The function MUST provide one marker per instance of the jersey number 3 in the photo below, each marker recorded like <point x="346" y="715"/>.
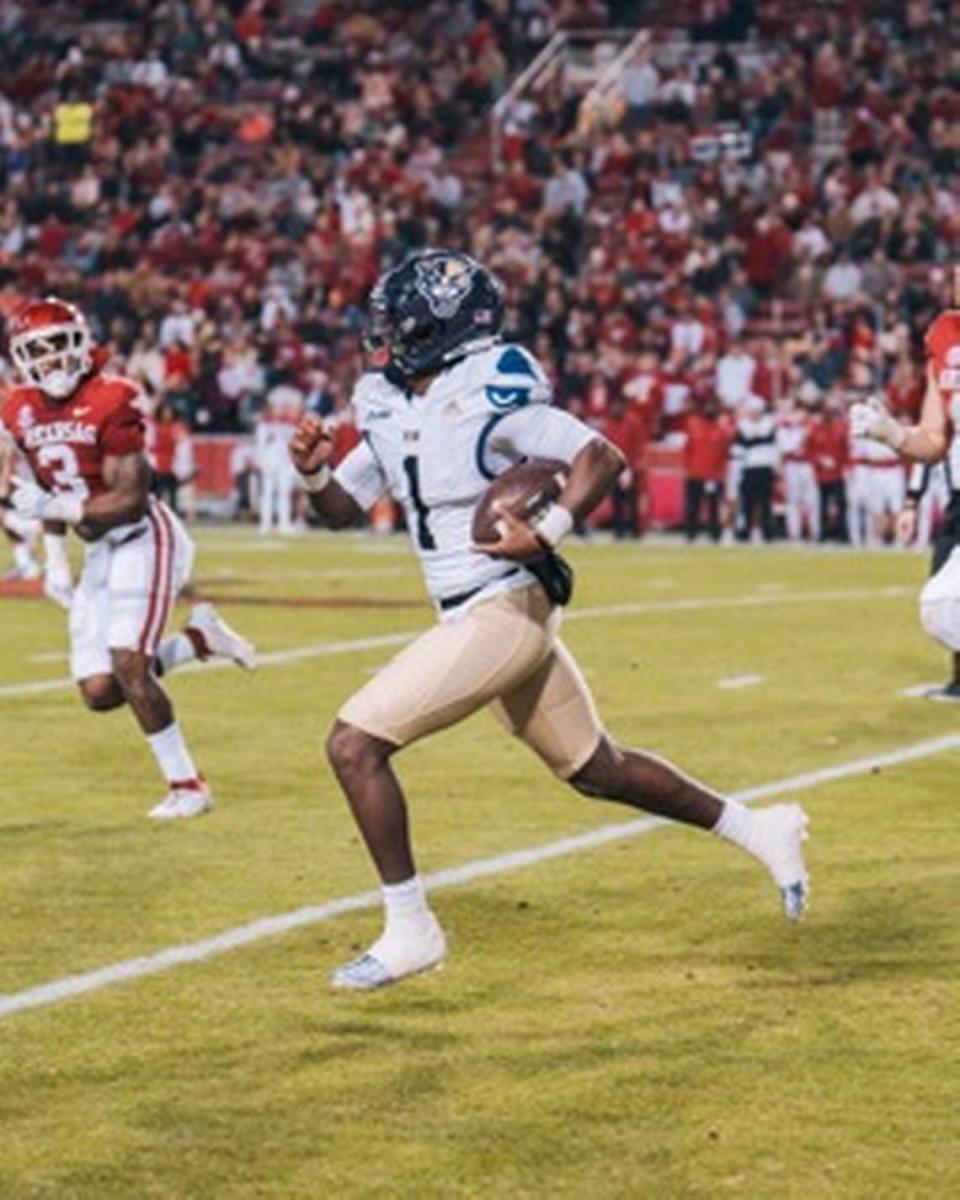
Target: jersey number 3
<point x="64" y="469"/>
<point x="425" y="538"/>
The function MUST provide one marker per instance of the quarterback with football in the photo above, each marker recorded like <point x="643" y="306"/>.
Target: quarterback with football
<point x="81" y="432"/>
<point x="453" y="408"/>
<point x="936" y="437"/>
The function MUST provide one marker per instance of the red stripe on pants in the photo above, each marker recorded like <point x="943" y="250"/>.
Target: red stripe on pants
<point x="161" y="552"/>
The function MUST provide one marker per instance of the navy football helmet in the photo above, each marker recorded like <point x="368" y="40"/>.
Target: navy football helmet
<point x="433" y="309"/>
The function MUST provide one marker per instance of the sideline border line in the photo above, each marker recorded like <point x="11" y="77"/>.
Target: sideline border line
<point x="58" y="990"/>
<point x="680" y="604"/>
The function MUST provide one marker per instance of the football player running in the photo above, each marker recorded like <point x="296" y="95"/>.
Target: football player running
<point x="453" y="407"/>
<point x="81" y="431"/>
<point x="934" y="438"/>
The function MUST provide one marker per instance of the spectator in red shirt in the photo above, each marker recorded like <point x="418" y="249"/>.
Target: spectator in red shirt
<point x="767" y="253"/>
<point x="827" y="448"/>
<point x="165" y="432"/>
<point x="625" y="429"/>
<point x="706" y="453"/>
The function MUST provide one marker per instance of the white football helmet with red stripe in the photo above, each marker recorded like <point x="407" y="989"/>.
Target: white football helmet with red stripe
<point x="51" y="345"/>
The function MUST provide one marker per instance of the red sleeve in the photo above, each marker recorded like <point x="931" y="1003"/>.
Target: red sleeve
<point x="942" y="335"/>
<point x="122" y="431"/>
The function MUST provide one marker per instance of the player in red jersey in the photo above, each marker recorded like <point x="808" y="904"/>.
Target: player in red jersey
<point x="81" y="431"/>
<point x="935" y="437"/>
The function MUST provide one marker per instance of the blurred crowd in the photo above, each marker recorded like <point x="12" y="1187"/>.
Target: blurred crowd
<point x="756" y="219"/>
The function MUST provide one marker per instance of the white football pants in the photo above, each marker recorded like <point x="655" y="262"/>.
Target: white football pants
<point x="940" y="603"/>
<point x="802" y="500"/>
<point x="277" y="486"/>
<point x="873" y="493"/>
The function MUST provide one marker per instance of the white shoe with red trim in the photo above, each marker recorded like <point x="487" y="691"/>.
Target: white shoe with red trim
<point x="183" y="802"/>
<point x="218" y="639"/>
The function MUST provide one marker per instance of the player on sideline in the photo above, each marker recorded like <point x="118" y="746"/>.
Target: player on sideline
<point x="453" y="408"/>
<point x="82" y="434"/>
<point x="935" y="437"/>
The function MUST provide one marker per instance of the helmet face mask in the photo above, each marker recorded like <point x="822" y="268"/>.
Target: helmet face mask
<point x="50" y="345"/>
<point x="432" y="310"/>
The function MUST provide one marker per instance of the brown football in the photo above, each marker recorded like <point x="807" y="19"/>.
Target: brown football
<point x="524" y="490"/>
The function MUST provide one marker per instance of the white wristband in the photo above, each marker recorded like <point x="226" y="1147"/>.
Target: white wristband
<point x="554" y="525"/>
<point x="316" y="480"/>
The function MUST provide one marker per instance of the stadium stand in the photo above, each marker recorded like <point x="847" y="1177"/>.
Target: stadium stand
<point x="687" y="199"/>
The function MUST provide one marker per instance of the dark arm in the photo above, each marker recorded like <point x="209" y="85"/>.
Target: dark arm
<point x="310" y="450"/>
<point x="593" y="473"/>
<point x="127" y="478"/>
<point x="335" y="507"/>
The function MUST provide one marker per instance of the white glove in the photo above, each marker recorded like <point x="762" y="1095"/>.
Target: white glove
<point x="33" y="503"/>
<point x="871" y="420"/>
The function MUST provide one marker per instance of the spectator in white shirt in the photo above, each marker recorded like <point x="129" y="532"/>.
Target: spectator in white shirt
<point x="566" y="189"/>
<point x="810" y="241"/>
<point x="843" y="278"/>
<point x="875" y="202"/>
<point x="687" y="337"/>
<point x="640" y="82"/>
<point x="179" y="325"/>
<point x="735" y="371"/>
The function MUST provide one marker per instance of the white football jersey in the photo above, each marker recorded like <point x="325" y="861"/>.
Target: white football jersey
<point x="436" y="454"/>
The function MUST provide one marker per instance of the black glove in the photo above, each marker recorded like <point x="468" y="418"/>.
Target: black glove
<point x="555" y="576"/>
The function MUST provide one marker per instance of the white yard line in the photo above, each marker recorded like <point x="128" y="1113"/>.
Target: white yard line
<point x="58" y="990"/>
<point x="683" y="604"/>
<point x="751" y="600"/>
<point x="734" y="682"/>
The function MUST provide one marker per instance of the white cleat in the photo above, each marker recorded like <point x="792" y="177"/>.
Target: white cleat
<point x="181" y="803"/>
<point x="220" y="640"/>
<point x="779" y="833"/>
<point x="390" y="959"/>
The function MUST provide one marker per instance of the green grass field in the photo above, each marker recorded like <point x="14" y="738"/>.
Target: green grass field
<point x="635" y="1020"/>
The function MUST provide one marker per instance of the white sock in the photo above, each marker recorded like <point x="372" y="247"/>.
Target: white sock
<point x="405" y="906"/>
<point x="22" y="558"/>
<point x="735" y="824"/>
<point x="172" y="755"/>
<point x="174" y="651"/>
<point x="55" y="554"/>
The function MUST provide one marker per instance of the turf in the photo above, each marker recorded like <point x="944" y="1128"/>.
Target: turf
<point x="632" y="1021"/>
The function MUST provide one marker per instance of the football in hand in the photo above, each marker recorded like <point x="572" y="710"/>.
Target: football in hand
<point x="524" y="490"/>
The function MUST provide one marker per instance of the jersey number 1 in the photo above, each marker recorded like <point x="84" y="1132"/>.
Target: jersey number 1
<point x="424" y="536"/>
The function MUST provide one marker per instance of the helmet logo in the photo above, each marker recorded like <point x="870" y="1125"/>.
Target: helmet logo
<point x="444" y="282"/>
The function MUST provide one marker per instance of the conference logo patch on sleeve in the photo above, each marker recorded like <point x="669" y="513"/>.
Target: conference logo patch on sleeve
<point x="516" y="379"/>
<point x="507" y="397"/>
<point x="514" y="362"/>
